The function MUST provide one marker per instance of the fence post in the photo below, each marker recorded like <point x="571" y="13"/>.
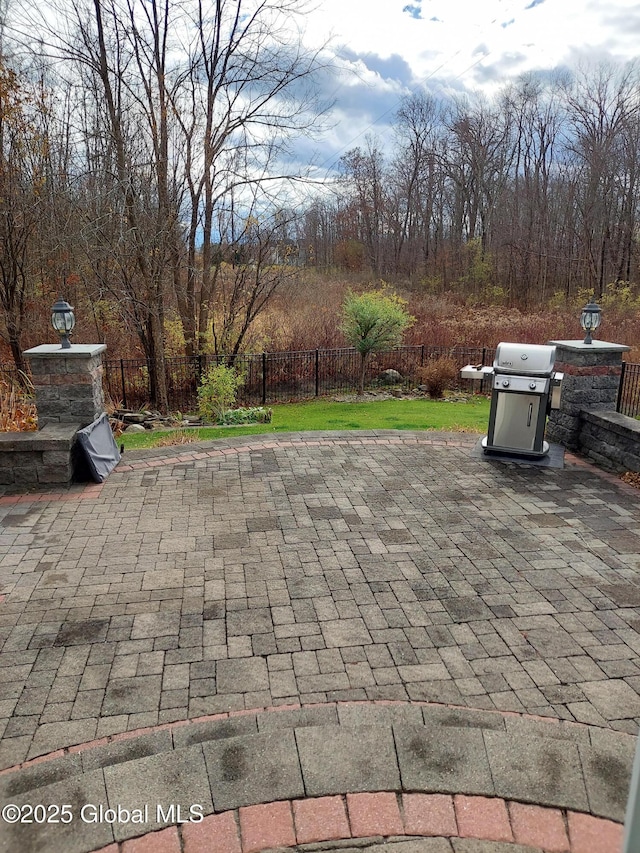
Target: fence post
<point x="422" y="356"/>
<point x="482" y="381"/>
<point x="124" y="390"/>
<point x="317" y="373"/>
<point x="619" y="398"/>
<point x="264" y="377"/>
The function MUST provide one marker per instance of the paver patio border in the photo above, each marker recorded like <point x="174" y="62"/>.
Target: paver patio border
<point x="368" y="815"/>
<point x="554" y="722"/>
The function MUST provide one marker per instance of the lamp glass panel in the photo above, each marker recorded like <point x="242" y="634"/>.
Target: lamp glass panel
<point x="63" y="321"/>
<point x="590" y="320"/>
<point x="590" y="317"/>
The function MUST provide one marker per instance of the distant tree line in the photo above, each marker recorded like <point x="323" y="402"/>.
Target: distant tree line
<point x="533" y="192"/>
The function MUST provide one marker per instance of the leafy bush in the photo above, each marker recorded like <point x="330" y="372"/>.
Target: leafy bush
<point x="619" y="297"/>
<point x="438" y="374"/>
<point x="254" y="415"/>
<point x="217" y="392"/>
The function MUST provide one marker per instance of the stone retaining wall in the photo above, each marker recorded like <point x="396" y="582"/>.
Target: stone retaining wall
<point x="45" y="457"/>
<point x="611" y="440"/>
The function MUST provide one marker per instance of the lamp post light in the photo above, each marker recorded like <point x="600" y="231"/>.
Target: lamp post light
<point x="590" y="320"/>
<point x="63" y="321"/>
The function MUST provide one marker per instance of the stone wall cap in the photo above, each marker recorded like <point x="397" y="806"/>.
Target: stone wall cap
<point x="596" y="346"/>
<point x="74" y="351"/>
<point x="52" y="436"/>
<point x="614" y="419"/>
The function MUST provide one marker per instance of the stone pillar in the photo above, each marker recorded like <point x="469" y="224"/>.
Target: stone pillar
<point x="591" y="381"/>
<point x="67" y="382"/>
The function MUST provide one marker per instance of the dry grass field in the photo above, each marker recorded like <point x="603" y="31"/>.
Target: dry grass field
<point x="305" y="315"/>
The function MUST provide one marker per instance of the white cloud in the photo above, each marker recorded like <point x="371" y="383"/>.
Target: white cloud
<point x="387" y="49"/>
<point x="429" y="34"/>
<point x="393" y="47"/>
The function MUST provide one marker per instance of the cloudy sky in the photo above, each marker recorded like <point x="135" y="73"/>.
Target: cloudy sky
<point x="390" y="48"/>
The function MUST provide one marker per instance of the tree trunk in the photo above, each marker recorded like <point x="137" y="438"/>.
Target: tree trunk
<point x="18" y="359"/>
<point x="156" y="366"/>
<point x="363" y="370"/>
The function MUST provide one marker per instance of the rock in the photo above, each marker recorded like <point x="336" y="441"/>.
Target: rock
<point x="133" y="417"/>
<point x="135" y="428"/>
<point x="390" y="377"/>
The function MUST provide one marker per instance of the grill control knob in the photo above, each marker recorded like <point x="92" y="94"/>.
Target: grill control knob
<point x="505" y="383"/>
<point x="532" y="385"/>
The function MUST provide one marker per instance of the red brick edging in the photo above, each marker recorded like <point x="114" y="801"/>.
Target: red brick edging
<point x="275" y="443"/>
<point x="286" y="823"/>
<point x="89" y="491"/>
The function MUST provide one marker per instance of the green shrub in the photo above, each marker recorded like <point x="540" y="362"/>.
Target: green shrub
<point x="217" y="392"/>
<point x="254" y="415"/>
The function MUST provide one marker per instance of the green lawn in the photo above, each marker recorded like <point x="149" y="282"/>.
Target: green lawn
<point x="471" y="415"/>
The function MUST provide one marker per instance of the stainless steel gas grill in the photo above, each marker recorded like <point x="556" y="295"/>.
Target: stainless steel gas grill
<point x="525" y="388"/>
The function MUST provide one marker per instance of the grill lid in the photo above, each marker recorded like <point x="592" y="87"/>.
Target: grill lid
<point x="525" y="359"/>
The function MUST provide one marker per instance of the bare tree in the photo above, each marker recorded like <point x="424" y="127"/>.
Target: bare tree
<point x="526" y="218"/>
<point x="22" y="179"/>
<point x="250" y="265"/>
<point x="416" y="169"/>
<point x="364" y="174"/>
<point x="602" y="109"/>
<point x="533" y="192"/>
<point x="252" y="88"/>
<point x="190" y="107"/>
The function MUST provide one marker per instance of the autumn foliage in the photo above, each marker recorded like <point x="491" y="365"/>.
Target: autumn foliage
<point x="17" y="410"/>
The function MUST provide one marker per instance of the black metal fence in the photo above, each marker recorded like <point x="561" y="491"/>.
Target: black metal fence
<point x="281" y="376"/>
<point x="286" y="376"/>
<point x="629" y="390"/>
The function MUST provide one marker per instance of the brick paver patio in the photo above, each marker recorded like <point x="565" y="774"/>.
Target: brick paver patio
<point x="325" y="573"/>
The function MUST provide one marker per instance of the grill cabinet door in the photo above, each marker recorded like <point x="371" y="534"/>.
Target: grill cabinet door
<point x="516" y="421"/>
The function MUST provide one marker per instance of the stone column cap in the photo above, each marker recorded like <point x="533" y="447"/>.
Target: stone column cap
<point x="74" y="351"/>
<point x="596" y="346"/>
